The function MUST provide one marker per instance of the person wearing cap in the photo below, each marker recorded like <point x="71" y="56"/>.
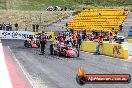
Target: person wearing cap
<point x="100" y="41"/>
<point x="43" y="42"/>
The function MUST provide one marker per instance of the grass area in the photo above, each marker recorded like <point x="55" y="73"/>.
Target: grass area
<point x="74" y="4"/>
<point x="31" y="17"/>
<point x="35" y="4"/>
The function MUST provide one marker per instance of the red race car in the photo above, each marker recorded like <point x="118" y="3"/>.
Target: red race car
<point x="33" y="43"/>
<point x="62" y="49"/>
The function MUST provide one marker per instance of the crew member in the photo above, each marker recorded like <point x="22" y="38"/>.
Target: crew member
<point x="74" y="39"/>
<point x="100" y="41"/>
<point x="43" y="42"/>
<point x="79" y="41"/>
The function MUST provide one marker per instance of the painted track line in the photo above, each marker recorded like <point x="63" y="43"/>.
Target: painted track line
<point x="5" y="81"/>
<point x="29" y="79"/>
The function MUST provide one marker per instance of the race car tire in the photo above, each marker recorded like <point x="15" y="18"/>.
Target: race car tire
<point x="59" y="54"/>
<point x="25" y="43"/>
<point x="29" y="45"/>
<point x="38" y="46"/>
<point x="51" y="49"/>
<point x="77" y="53"/>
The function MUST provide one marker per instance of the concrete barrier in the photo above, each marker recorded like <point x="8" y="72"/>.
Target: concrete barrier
<point x="129" y="40"/>
<point x="110" y="49"/>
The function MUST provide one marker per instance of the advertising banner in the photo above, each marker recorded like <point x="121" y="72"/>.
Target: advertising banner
<point x="48" y="33"/>
<point x="15" y="34"/>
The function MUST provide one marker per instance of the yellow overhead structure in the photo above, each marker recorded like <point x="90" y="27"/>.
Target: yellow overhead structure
<point x="98" y="19"/>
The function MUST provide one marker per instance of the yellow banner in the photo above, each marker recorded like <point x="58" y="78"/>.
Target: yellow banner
<point x="50" y="33"/>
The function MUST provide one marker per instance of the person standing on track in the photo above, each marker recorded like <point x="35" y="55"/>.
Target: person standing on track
<point x="100" y="41"/>
<point x="43" y="42"/>
<point x="74" y="39"/>
<point x="79" y="40"/>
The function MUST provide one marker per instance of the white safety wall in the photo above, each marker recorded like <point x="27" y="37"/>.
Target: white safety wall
<point x="15" y="34"/>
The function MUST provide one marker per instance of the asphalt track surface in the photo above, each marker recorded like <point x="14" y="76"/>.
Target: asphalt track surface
<point x="47" y="71"/>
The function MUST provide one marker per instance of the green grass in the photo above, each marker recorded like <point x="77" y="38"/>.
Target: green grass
<point x="2" y="4"/>
<point x="74" y="4"/>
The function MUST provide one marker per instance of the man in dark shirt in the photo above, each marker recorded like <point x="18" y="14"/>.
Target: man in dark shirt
<point x="37" y="27"/>
<point x="16" y="25"/>
<point x="43" y="42"/>
<point x="33" y="28"/>
<point x="0" y="26"/>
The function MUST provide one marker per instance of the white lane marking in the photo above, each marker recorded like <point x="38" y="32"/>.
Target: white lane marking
<point x="126" y="60"/>
<point x="29" y="79"/>
<point x="5" y="80"/>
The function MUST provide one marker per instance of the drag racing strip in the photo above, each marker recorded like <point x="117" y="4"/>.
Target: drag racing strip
<point x="5" y="81"/>
<point x="17" y="77"/>
<point x="49" y="71"/>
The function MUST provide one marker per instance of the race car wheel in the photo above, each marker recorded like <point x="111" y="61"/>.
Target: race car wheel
<point x="25" y="43"/>
<point x="59" y="54"/>
<point x="51" y="49"/>
<point x="77" y="53"/>
<point x="38" y="46"/>
<point x="29" y="45"/>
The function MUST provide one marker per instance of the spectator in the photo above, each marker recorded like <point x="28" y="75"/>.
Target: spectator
<point x="65" y="9"/>
<point x="26" y="27"/>
<point x="100" y="41"/>
<point x="83" y="8"/>
<point x="67" y="38"/>
<point x="111" y="35"/>
<point x="59" y="36"/>
<point x="84" y="35"/>
<point x="0" y="26"/>
<point x="79" y="40"/>
<point x="66" y="24"/>
<point x="7" y="27"/>
<point x="120" y="27"/>
<point x="71" y="30"/>
<point x="70" y="39"/>
<point x="16" y="26"/>
<point x="74" y="39"/>
<point x="33" y="28"/>
<point x="3" y="26"/>
<point x="37" y="27"/>
<point x="10" y="27"/>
